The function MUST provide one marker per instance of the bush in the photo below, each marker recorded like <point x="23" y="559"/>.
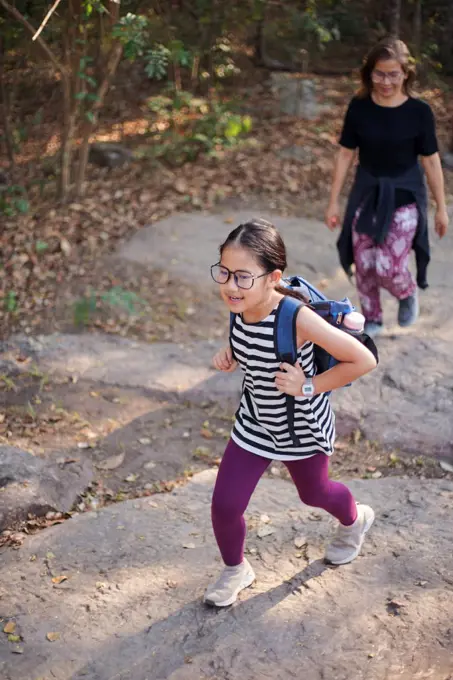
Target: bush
<point x="186" y="126"/>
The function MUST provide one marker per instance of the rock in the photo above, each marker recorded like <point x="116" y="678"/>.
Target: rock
<point x="31" y="485"/>
<point x="297" y="96"/>
<point x="301" y="154"/>
<point x="109" y="155"/>
<point x="447" y="160"/>
<point x="123" y="560"/>
<point x="402" y="390"/>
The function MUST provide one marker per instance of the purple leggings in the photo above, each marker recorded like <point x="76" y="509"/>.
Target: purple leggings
<point x="240" y="472"/>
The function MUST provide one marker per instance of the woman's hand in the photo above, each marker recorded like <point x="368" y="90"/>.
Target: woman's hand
<point x="333" y="216"/>
<point x="290" y="379"/>
<point x="441" y="222"/>
<point x="223" y="360"/>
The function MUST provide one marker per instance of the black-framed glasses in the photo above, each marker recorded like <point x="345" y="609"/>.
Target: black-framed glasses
<point x="242" y="279"/>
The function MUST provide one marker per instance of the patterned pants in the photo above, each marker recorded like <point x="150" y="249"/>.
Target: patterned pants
<point x="385" y="265"/>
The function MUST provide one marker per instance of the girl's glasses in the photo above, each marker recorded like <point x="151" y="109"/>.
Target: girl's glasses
<point x="242" y="279"/>
<point x="380" y="77"/>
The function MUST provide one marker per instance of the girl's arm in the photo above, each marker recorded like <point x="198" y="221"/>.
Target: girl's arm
<point x="433" y="168"/>
<point x="342" y="164"/>
<point x="354" y="358"/>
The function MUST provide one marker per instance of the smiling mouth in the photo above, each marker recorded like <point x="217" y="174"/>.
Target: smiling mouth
<point x="234" y="299"/>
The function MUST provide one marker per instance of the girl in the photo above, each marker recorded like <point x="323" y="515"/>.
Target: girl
<point x="386" y="214"/>
<point x="252" y="260"/>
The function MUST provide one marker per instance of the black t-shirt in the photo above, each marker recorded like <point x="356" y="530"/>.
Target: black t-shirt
<point x="389" y="139"/>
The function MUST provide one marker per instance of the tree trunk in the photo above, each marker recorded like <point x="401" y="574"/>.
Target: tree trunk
<point x="450" y="146"/>
<point x="67" y="139"/>
<point x="112" y="65"/>
<point x="395" y="18"/>
<point x="417" y="40"/>
<point x="9" y="143"/>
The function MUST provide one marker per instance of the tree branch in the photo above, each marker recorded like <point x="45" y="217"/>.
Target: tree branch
<point x="46" y="19"/>
<point x="44" y="46"/>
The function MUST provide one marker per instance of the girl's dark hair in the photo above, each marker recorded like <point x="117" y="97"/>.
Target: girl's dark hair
<point x="389" y="48"/>
<point x="264" y="242"/>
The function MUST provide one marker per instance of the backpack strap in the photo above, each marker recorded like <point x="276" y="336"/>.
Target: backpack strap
<point x="285" y="340"/>
<point x="285" y="332"/>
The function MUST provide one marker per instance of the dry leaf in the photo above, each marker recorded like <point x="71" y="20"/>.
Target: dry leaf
<point x="111" y="463"/>
<point x="14" y="638"/>
<point x="145" y="441"/>
<point x="53" y="637"/>
<point x="265" y="519"/>
<point x="181" y="186"/>
<point x="59" y="579"/>
<point x="447" y="467"/>
<point x="84" y="445"/>
<point x="188" y="546"/>
<point x="300" y="541"/>
<point x="131" y="478"/>
<point x="207" y="434"/>
<point x="202" y="452"/>
<point x="17" y="650"/>
<point x="356" y="436"/>
<point x="65" y="246"/>
<point x="10" y="627"/>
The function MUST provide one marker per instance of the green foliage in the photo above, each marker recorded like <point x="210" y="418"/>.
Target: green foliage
<point x="11" y="301"/>
<point x="131" y="31"/>
<point x="158" y="59"/>
<point x="13" y="201"/>
<point x="156" y="62"/>
<point x="116" y="298"/>
<point x="195" y="125"/>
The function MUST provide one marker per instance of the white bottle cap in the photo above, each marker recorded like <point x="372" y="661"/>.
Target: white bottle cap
<point x="354" y="321"/>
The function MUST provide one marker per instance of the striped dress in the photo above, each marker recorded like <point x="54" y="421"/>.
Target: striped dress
<point x="261" y="424"/>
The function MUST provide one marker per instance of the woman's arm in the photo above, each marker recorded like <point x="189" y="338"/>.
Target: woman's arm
<point x="343" y="162"/>
<point x="433" y="169"/>
<point x="354" y="358"/>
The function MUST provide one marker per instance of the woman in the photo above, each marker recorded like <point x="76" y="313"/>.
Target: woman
<point x="386" y="215"/>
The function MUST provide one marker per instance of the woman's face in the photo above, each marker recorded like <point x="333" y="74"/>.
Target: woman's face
<point x="388" y="78"/>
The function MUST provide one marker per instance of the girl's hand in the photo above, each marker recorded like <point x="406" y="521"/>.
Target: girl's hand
<point x="290" y="379"/>
<point x="223" y="360"/>
<point x="441" y="222"/>
<point x="333" y="216"/>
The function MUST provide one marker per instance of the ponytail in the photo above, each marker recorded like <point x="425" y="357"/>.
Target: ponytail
<point x="290" y="292"/>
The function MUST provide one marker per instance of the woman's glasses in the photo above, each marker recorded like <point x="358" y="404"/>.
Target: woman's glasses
<point x="242" y="279"/>
<point x="393" y="77"/>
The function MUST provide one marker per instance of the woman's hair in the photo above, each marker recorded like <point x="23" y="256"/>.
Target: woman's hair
<point x="389" y="48"/>
<point x="264" y="242"/>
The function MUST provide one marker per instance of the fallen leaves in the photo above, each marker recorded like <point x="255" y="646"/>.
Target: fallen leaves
<point x="53" y="636"/>
<point x="60" y="579"/>
<point x="9" y="628"/>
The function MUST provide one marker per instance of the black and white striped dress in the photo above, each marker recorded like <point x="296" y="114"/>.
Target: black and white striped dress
<point x="261" y="420"/>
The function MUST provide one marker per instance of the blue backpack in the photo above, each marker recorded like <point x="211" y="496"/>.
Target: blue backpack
<point x="332" y="311"/>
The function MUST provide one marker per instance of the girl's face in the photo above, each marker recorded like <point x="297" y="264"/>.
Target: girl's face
<point x="244" y="292"/>
<point x="388" y="78"/>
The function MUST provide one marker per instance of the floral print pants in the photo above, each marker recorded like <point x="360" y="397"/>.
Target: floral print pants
<point x="385" y="265"/>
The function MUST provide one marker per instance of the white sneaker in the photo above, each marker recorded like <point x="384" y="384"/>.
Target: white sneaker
<point x="232" y="580"/>
<point x="348" y="541"/>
